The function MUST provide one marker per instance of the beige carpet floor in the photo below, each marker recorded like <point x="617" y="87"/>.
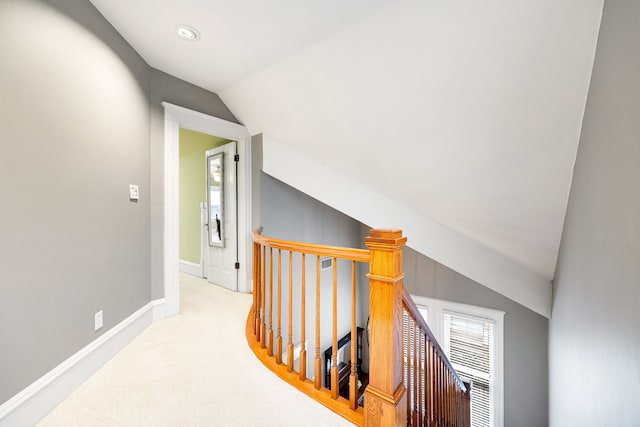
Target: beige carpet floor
<point x="194" y="369"/>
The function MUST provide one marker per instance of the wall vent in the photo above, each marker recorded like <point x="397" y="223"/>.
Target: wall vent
<point x="326" y="263"/>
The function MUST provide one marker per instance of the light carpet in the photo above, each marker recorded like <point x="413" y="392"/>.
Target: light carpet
<point x="194" y="369"/>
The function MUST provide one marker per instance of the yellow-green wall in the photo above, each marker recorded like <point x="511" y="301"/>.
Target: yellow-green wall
<point x="193" y="189"/>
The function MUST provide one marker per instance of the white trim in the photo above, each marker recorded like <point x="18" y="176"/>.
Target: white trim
<point x="191" y="268"/>
<point x="435" y="310"/>
<point x="450" y="248"/>
<point x="38" y="399"/>
<point x="177" y="117"/>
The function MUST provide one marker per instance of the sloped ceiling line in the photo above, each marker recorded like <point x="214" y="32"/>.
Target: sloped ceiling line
<point x="440" y="243"/>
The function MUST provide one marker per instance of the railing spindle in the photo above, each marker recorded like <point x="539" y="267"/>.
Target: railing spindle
<point x="255" y="270"/>
<point x="263" y="284"/>
<point x="416" y="368"/>
<point x="334" y="351"/>
<point x="290" y="304"/>
<point x="409" y="371"/>
<point x="279" y="329"/>
<point x="353" y="378"/>
<point x="303" y="317"/>
<point x="270" y="331"/>
<point x="420" y="377"/>
<point x="429" y="405"/>
<point x="317" y="379"/>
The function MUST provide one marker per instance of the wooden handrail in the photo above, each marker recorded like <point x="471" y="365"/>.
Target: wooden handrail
<point x="432" y="394"/>
<point x="350" y="254"/>
<point x="412" y="309"/>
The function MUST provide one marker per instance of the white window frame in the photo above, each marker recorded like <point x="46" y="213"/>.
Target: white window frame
<point x="435" y="320"/>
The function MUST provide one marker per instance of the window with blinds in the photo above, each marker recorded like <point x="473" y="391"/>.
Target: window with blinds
<point x="469" y="343"/>
<point x="472" y="337"/>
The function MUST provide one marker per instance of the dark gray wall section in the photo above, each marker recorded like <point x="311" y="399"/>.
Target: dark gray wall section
<point x="256" y="167"/>
<point x="164" y="87"/>
<point x="81" y="120"/>
<point x="289" y="214"/>
<point x="74" y="116"/>
<point x="525" y="335"/>
<point x="595" y="323"/>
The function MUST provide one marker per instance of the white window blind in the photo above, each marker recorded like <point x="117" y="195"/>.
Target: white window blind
<point x="472" y="337"/>
<point x="469" y="342"/>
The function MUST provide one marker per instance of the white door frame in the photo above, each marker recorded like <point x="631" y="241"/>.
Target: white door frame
<point x="176" y="117"/>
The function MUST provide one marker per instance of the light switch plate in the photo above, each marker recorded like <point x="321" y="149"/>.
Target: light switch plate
<point x="134" y="192"/>
<point x="98" y="320"/>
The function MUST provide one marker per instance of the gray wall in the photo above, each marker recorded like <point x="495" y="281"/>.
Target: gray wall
<point x="81" y="120"/>
<point x="525" y="335"/>
<point x="289" y="214"/>
<point x="595" y="323"/>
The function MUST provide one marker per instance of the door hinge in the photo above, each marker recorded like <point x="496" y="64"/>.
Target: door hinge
<point x="237" y="266"/>
<point x="236" y="158"/>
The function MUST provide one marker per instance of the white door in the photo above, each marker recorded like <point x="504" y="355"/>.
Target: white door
<point x="220" y="262"/>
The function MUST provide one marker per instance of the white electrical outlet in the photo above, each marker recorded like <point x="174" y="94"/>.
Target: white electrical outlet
<point x="98" y="320"/>
<point x="134" y="192"/>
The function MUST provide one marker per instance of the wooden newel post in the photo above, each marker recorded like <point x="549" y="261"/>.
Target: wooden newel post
<point x="385" y="398"/>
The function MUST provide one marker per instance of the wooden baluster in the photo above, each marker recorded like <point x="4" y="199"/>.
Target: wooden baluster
<point x="405" y="366"/>
<point x="290" y="339"/>
<point x="409" y="369"/>
<point x="414" y="359"/>
<point x="353" y="378"/>
<point x="454" y="403"/>
<point x="317" y="379"/>
<point x="450" y="377"/>
<point x="303" y="317"/>
<point x="430" y="383"/>
<point x="445" y="383"/>
<point x="420" y="377"/>
<point x="441" y="389"/>
<point x="334" y="352"/>
<point x="467" y="404"/>
<point x="255" y="270"/>
<point x="454" y="395"/>
<point x="414" y="391"/>
<point x="449" y="398"/>
<point x="279" y="329"/>
<point x="429" y="373"/>
<point x="452" y="399"/>
<point x="258" y="288"/>
<point x="270" y="331"/>
<point x="440" y="396"/>
<point x="385" y="395"/>
<point x="255" y="308"/>
<point x="437" y="397"/>
<point x="263" y="295"/>
<point x="419" y="390"/>
<point x="423" y="379"/>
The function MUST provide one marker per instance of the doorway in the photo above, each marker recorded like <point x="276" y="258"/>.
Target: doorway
<point x="192" y="199"/>
<point x="220" y="254"/>
<point x="177" y="117"/>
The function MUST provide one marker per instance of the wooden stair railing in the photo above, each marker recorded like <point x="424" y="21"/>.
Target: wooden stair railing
<point x="410" y="381"/>
<point x="436" y="396"/>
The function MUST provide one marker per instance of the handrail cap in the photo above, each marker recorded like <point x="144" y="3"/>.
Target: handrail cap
<point x="386" y="237"/>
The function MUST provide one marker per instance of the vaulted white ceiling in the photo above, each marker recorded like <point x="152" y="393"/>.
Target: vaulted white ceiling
<point x="467" y="113"/>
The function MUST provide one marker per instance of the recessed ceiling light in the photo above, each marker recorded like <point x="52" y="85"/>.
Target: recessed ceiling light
<point x="188" y="33"/>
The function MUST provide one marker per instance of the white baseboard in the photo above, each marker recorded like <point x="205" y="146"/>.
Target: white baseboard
<point x="38" y="399"/>
<point x="191" y="268"/>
